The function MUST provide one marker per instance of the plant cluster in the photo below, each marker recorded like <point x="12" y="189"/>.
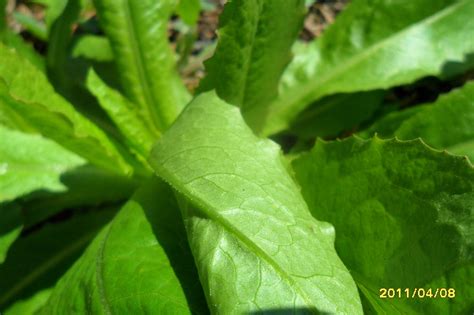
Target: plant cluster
<point x="124" y="191"/>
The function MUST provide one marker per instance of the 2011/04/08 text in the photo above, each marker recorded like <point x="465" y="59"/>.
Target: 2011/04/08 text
<point x="421" y="293"/>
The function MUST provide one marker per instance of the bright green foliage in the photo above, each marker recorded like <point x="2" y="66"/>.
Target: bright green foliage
<point x="255" y="38"/>
<point x="403" y="215"/>
<point x="25" y="91"/>
<point x="10" y="227"/>
<point x="36" y="261"/>
<point x="454" y="111"/>
<point x="31" y="162"/>
<point x="92" y="103"/>
<point x="140" y="263"/>
<point x="22" y="48"/>
<point x="376" y="44"/>
<point x="137" y="31"/>
<point x="250" y="231"/>
<point x="124" y="114"/>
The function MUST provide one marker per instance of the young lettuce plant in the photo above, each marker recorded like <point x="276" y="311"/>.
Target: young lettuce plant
<point x="124" y="193"/>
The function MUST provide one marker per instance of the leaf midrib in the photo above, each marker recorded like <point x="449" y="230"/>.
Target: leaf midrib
<point x="307" y="89"/>
<point x="213" y="214"/>
<point x="249" y="62"/>
<point x="143" y="77"/>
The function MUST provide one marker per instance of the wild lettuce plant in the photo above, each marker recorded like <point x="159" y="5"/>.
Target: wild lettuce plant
<point x="123" y="191"/>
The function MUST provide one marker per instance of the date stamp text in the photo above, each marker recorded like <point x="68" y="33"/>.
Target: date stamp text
<point x="417" y="293"/>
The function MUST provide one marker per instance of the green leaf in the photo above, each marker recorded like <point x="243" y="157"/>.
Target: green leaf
<point x="32" y="25"/>
<point x="30" y="306"/>
<point x="53" y="10"/>
<point x="255" y="243"/>
<point x="31" y="162"/>
<point x="255" y="39"/>
<point x="26" y="95"/>
<point x="124" y="114"/>
<point x="403" y="215"/>
<point x="454" y="110"/>
<point x="140" y="263"/>
<point x="93" y="47"/>
<point x="36" y="260"/>
<point x="10" y="227"/>
<point x="86" y="186"/>
<point x="337" y="113"/>
<point x="189" y="11"/>
<point x="137" y="31"/>
<point x="24" y="49"/>
<point x="375" y="45"/>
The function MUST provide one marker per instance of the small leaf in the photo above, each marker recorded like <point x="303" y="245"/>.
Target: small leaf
<point x="454" y="110"/>
<point x="253" y="239"/>
<point x="137" y="31"/>
<point x="375" y="45"/>
<point x="255" y="39"/>
<point x="37" y="260"/>
<point x="32" y="25"/>
<point x="93" y="47"/>
<point x="189" y="11"/>
<point x="403" y="215"/>
<point x="140" y="263"/>
<point x="31" y="162"/>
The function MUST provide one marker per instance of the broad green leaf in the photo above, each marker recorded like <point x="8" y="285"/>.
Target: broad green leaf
<point x="10" y="227"/>
<point x="37" y="260"/>
<point x="375" y="44"/>
<point x="87" y="186"/>
<point x="454" y="110"/>
<point x="124" y="114"/>
<point x="255" y="39"/>
<point x="337" y="113"/>
<point x="137" y="31"/>
<point x="139" y="264"/>
<point x="93" y="47"/>
<point x="31" y="162"/>
<point x="26" y="93"/>
<point x="403" y="215"/>
<point x="189" y="11"/>
<point x="255" y="243"/>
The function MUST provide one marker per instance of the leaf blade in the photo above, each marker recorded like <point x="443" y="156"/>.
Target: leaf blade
<point x="137" y="31"/>
<point x="140" y="243"/>
<point x="255" y="39"/>
<point x="423" y="122"/>
<point x="407" y="221"/>
<point x="235" y="181"/>
<point x="40" y="107"/>
<point x="31" y="162"/>
<point x="417" y="41"/>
